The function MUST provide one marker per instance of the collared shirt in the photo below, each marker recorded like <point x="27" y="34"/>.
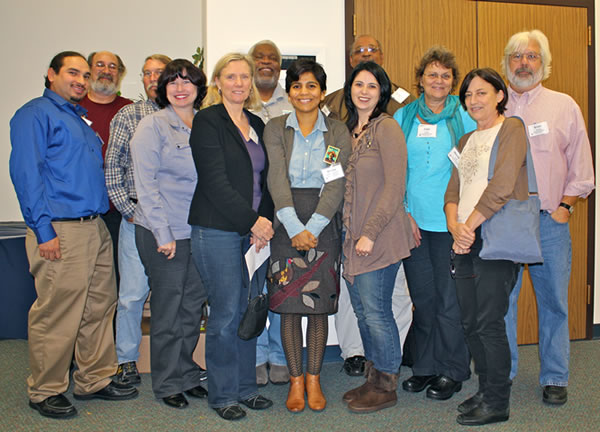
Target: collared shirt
<point x="56" y="164"/>
<point x="562" y="157"/>
<point x="165" y="175"/>
<point x="304" y="171"/>
<point x="119" y="166"/>
<point x="276" y="106"/>
<point x="428" y="172"/>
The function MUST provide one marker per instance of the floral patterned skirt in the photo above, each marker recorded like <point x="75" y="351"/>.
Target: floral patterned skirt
<point x="308" y="284"/>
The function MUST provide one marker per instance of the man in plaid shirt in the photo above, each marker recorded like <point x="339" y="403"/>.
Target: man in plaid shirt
<point x="133" y="289"/>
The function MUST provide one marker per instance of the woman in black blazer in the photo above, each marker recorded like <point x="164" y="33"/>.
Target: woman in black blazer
<point x="231" y="210"/>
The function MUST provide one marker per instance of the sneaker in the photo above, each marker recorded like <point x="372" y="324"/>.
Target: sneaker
<point x="203" y="374"/>
<point x="127" y="373"/>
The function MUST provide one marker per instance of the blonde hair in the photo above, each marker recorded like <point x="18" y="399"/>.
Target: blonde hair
<point x="213" y="97"/>
<point x="519" y="41"/>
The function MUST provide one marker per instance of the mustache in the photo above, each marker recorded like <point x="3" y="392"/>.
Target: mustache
<point x="152" y="85"/>
<point x="524" y="69"/>
<point x="105" y="75"/>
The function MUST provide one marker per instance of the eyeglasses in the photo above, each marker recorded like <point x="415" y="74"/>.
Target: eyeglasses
<point x="435" y="75"/>
<point x="370" y="49"/>
<point x="530" y="56"/>
<point x="102" y="65"/>
<point x="150" y="73"/>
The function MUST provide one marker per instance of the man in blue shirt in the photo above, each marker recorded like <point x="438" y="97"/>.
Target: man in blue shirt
<point x="57" y="170"/>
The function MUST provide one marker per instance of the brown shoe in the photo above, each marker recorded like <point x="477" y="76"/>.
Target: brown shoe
<point x="379" y="393"/>
<point x="295" y="400"/>
<point x="358" y="391"/>
<point x="316" y="399"/>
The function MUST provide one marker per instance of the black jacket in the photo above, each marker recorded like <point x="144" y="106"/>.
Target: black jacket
<point x="223" y="196"/>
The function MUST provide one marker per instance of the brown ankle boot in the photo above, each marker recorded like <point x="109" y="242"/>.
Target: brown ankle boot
<point x="316" y="399"/>
<point x="295" y="400"/>
<point x="356" y="392"/>
<point x="379" y="393"/>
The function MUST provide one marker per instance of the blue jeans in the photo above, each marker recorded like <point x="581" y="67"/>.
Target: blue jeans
<point x="133" y="291"/>
<point x="371" y="297"/>
<point x="231" y="361"/>
<point x="268" y="344"/>
<point x="551" y="283"/>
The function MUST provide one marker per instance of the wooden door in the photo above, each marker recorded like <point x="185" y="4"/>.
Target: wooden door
<point x="566" y="29"/>
<point x="477" y="31"/>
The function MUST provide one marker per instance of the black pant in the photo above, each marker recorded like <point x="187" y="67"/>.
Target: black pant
<point x="112" y="219"/>
<point x="439" y="340"/>
<point x="483" y="288"/>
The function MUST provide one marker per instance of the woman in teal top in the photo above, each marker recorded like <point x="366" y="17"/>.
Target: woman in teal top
<point x="432" y="125"/>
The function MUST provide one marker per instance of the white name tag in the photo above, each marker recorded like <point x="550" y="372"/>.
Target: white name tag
<point x="400" y="95"/>
<point x="454" y="157"/>
<point x="284" y="112"/>
<point x="326" y="110"/>
<point x="89" y="122"/>
<point x="427" y="131"/>
<point x="332" y="173"/>
<point x="253" y="135"/>
<point x="540" y="128"/>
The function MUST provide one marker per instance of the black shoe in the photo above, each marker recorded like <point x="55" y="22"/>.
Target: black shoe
<point x="177" y="400"/>
<point x="355" y="366"/>
<point x="203" y="374"/>
<point x="483" y="414"/>
<point x="57" y="407"/>
<point x="443" y="388"/>
<point x="418" y="383"/>
<point x="114" y="391"/>
<point x="128" y="373"/>
<point x="470" y="403"/>
<point x="197" y="392"/>
<point x="257" y="402"/>
<point x="554" y="395"/>
<point x="231" y="412"/>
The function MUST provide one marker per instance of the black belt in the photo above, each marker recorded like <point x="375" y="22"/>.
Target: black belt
<point x="77" y="219"/>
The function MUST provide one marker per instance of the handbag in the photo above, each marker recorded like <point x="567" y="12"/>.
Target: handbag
<point x="254" y="320"/>
<point x="513" y="233"/>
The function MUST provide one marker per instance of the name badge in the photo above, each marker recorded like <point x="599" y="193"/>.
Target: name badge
<point x="85" y="119"/>
<point x="540" y="128"/>
<point x="400" y="95"/>
<point x="331" y="155"/>
<point x="325" y="110"/>
<point x="427" y="131"/>
<point x="454" y="157"/>
<point x="332" y="173"/>
<point x="253" y="135"/>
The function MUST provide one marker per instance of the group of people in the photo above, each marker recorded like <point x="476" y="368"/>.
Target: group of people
<point x="346" y="190"/>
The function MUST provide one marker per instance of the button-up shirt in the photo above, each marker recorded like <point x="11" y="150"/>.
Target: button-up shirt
<point x="56" y="164"/>
<point x="277" y="106"/>
<point x="165" y="175"/>
<point x="119" y="166"/>
<point x="305" y="168"/>
<point x="562" y="157"/>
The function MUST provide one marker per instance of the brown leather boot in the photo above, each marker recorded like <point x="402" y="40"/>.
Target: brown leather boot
<point x="295" y="400"/>
<point x="379" y="393"/>
<point x="356" y="392"/>
<point x="316" y="399"/>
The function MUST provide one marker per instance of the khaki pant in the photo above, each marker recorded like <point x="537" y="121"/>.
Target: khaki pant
<point x="73" y="313"/>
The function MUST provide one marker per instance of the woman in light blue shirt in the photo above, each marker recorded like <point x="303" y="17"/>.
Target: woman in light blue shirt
<point x="165" y="179"/>
<point x="433" y="124"/>
<point x="307" y="156"/>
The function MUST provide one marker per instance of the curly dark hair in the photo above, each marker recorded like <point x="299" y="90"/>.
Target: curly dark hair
<point x="437" y="54"/>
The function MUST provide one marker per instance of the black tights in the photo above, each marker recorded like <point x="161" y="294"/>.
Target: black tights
<point x="316" y="339"/>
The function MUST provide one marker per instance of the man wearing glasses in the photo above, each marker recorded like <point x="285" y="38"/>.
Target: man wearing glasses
<point x="133" y="289"/>
<point x="563" y="164"/>
<point x="366" y="48"/>
<point x="102" y="102"/>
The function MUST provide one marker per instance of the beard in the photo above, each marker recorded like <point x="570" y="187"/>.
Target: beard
<point x="524" y="82"/>
<point x="265" y="82"/>
<point x="104" y="87"/>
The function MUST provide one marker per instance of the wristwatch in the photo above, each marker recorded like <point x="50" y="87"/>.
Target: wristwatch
<point x="567" y="206"/>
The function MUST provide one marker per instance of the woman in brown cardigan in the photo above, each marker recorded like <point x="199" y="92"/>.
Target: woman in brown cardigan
<point x="378" y="233"/>
<point x="483" y="286"/>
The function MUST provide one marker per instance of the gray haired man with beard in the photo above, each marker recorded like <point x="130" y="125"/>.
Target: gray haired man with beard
<point x="102" y="103"/>
<point x="133" y="290"/>
<point x="274" y="103"/>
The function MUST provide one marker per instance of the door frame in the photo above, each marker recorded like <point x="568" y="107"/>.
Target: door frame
<point x="350" y="26"/>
